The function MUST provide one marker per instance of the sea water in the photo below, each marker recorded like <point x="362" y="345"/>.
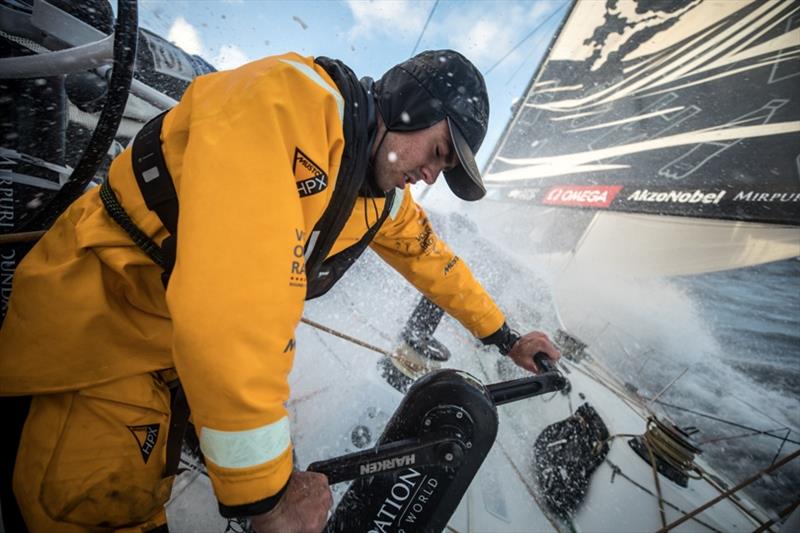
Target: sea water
<point x="754" y="316"/>
<point x="727" y="342"/>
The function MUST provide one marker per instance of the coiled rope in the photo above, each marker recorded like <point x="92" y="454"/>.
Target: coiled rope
<point x="670" y="448"/>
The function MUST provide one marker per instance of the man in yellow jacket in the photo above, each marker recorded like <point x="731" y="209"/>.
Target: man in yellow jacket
<point x="282" y="172"/>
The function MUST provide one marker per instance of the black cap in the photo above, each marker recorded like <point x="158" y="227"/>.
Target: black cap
<point x="433" y="86"/>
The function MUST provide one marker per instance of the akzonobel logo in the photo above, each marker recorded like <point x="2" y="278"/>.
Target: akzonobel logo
<point x="677" y="197"/>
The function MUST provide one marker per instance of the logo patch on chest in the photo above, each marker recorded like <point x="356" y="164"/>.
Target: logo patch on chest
<point x="146" y="437"/>
<point x="310" y="177"/>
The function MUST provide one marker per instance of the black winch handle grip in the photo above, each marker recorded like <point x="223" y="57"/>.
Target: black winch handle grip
<point x="519" y="389"/>
<point x="544" y="363"/>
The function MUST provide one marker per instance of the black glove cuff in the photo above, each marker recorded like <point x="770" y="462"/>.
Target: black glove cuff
<point x="504" y="338"/>
<point x="254" y="508"/>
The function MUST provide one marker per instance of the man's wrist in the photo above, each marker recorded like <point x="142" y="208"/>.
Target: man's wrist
<point x="504" y="338"/>
<point x="254" y="508"/>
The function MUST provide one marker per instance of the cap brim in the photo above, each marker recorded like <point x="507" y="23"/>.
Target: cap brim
<point x="465" y="179"/>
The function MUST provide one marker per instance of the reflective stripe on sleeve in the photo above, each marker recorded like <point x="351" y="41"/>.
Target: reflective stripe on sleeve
<point x="316" y="78"/>
<point x="243" y="449"/>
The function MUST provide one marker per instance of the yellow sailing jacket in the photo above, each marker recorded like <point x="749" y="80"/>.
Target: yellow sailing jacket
<point x="88" y="305"/>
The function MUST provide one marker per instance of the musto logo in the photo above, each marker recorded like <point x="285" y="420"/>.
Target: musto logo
<point x="581" y="195"/>
<point x="406" y="501"/>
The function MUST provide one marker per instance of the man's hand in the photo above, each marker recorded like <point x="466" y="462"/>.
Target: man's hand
<point x="529" y="344"/>
<point x="302" y="509"/>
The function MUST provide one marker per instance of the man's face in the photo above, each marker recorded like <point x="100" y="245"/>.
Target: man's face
<point x="409" y="157"/>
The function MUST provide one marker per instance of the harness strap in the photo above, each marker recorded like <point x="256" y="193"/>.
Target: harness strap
<point x="156" y="186"/>
<point x="178" y="422"/>
<point x="334" y="267"/>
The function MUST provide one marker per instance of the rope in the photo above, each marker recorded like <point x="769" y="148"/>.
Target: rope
<point x="668" y="449"/>
<point x="404" y="362"/>
<point x="652" y="456"/>
<point x="118" y="214"/>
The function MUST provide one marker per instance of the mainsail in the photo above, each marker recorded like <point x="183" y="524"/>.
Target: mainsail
<point x="674" y="127"/>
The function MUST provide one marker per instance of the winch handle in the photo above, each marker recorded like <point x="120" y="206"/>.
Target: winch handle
<point x="544" y="363"/>
<point x="522" y="388"/>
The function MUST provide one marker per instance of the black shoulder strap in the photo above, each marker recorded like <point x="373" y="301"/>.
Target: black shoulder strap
<point x="152" y="175"/>
<point x="155" y="183"/>
<point x="352" y="170"/>
<point x="333" y="268"/>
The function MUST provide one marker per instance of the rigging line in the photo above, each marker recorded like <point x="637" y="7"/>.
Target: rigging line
<point x="740" y="436"/>
<point x="522" y="64"/>
<point x="730" y="492"/>
<point x="780" y="449"/>
<point x="712" y="417"/>
<point x="545" y="21"/>
<point x="757" y="410"/>
<point x="735" y="500"/>
<point x="622" y="395"/>
<point x="618" y="471"/>
<point x="430" y="16"/>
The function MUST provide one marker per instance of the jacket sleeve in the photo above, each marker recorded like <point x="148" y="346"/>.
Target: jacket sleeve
<point x="238" y="287"/>
<point x="408" y="243"/>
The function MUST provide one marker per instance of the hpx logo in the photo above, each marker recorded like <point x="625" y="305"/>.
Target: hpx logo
<point x="146" y="437"/>
<point x="581" y="195"/>
<point x="311" y="179"/>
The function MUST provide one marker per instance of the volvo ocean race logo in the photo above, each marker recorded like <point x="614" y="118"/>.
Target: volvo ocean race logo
<point x="407" y="499"/>
<point x="581" y="195"/>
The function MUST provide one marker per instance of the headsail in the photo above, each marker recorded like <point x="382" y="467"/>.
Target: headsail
<point x="685" y="109"/>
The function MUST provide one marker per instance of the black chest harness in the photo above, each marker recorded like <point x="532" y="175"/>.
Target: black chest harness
<point x="158" y="191"/>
